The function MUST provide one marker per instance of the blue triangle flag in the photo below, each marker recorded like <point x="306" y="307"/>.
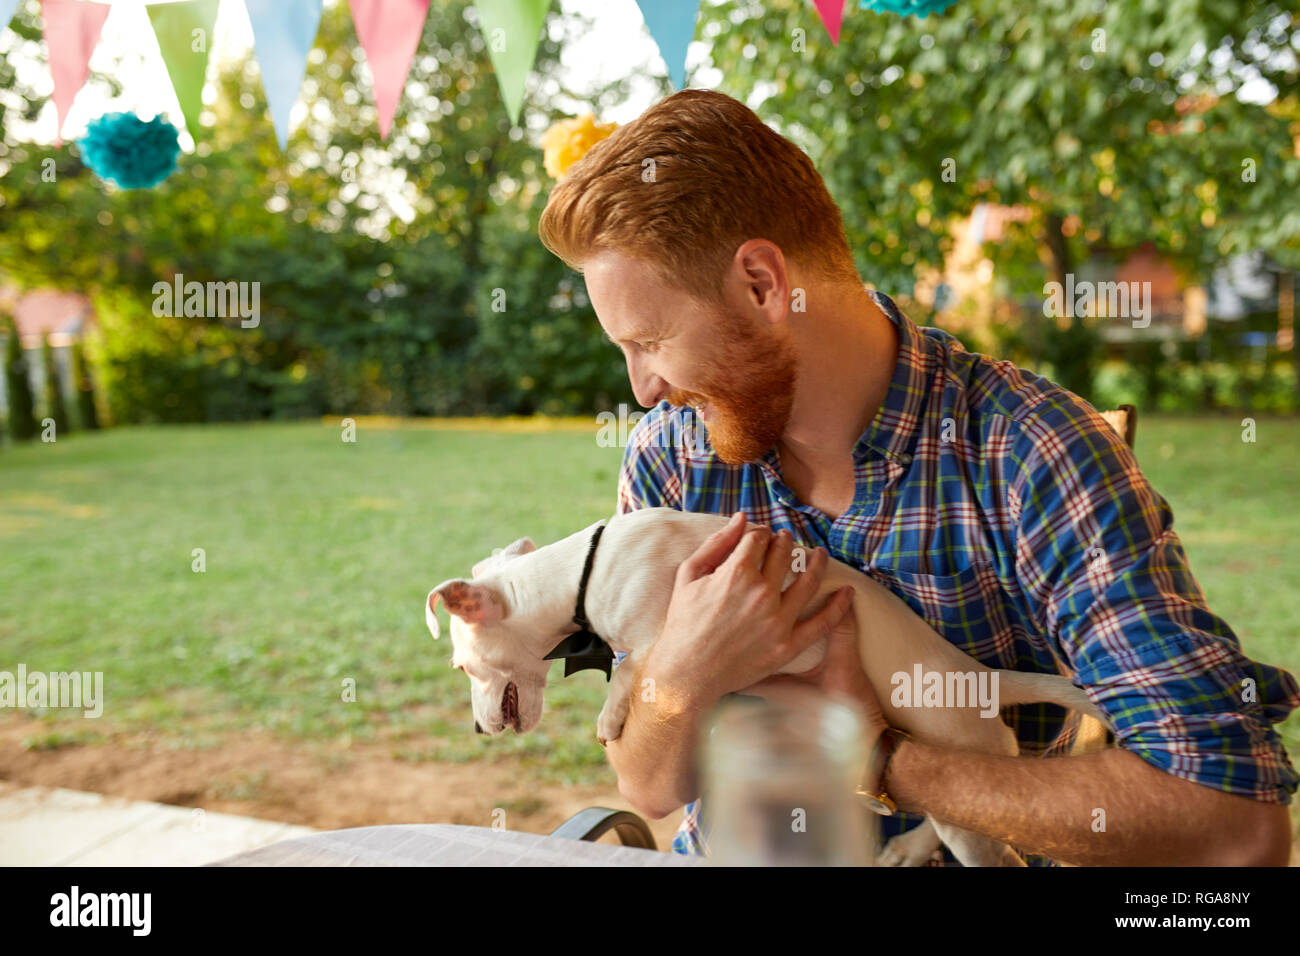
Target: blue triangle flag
<point x="7" y="9"/>
<point x="283" y="34"/>
<point x="672" y="24"/>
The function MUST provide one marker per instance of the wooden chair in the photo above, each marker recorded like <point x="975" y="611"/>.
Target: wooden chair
<point x="594" y="822"/>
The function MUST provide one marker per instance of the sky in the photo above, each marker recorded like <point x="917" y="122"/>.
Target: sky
<point x="616" y="43"/>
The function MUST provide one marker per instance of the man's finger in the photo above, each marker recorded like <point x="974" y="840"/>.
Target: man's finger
<point x="806" y="633"/>
<point x="752" y="547"/>
<point x="713" y="550"/>
<point x="805" y="584"/>
<point x="777" y="560"/>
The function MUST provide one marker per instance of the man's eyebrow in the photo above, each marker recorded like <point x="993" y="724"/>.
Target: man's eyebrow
<point x="636" y="335"/>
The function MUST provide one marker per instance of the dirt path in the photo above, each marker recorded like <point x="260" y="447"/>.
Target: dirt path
<point x="318" y="785"/>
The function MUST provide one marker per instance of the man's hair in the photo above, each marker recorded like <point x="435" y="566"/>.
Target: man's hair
<point x="719" y="177"/>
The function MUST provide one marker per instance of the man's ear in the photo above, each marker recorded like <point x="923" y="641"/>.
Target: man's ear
<point x="472" y="603"/>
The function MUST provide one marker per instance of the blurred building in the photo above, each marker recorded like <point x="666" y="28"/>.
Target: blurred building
<point x="65" y="317"/>
<point x="1249" y="290"/>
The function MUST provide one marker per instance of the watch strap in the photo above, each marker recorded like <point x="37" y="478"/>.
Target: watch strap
<point x="872" y="788"/>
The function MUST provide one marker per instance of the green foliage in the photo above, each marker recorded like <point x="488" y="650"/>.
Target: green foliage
<point x="18" y="385"/>
<point x="55" y="406"/>
<point x="372" y="259"/>
<point x="381" y="265"/>
<point x="1034" y="107"/>
<point x="1072" y="352"/>
<point x="1113" y="123"/>
<point x="85" y="387"/>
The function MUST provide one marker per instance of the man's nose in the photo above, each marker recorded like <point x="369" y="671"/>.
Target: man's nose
<point x="646" y="386"/>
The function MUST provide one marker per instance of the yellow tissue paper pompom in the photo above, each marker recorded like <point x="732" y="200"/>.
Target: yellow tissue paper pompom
<point x="568" y="141"/>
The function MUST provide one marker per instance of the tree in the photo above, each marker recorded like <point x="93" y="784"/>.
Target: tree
<point x="55" y="407"/>
<point x="1114" y="122"/>
<point x="372" y="258"/>
<point x="85" y="387"/>
<point x="18" y="385"/>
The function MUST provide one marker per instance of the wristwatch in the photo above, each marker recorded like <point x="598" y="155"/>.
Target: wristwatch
<point x="872" y="788"/>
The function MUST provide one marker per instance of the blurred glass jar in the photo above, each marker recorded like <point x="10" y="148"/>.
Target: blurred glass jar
<point x="778" y="778"/>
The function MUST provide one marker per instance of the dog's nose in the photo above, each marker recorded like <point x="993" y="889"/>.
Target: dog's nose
<point x="477" y="728"/>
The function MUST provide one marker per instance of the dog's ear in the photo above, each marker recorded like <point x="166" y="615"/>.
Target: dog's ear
<point x="513" y="550"/>
<point x="522" y="546"/>
<point x="472" y="603"/>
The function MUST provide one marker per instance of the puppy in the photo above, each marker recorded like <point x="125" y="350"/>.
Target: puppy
<point x="520" y="604"/>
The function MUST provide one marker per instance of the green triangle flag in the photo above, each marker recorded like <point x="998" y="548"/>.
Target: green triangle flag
<point x="512" y="29"/>
<point x="184" y="32"/>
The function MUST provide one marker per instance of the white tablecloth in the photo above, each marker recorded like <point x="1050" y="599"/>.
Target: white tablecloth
<point x="446" y="844"/>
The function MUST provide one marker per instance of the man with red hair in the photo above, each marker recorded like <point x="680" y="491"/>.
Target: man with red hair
<point x="1002" y="508"/>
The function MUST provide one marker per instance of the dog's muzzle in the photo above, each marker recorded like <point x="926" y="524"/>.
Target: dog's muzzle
<point x="510" y="706"/>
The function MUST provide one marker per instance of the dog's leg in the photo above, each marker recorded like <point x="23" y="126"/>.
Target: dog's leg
<point x="913" y="848"/>
<point x="974" y="849"/>
<point x="609" y="725"/>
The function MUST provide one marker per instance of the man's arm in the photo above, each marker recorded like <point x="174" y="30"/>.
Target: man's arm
<point x="1199" y="777"/>
<point x="1105" y="809"/>
<point x="653" y="757"/>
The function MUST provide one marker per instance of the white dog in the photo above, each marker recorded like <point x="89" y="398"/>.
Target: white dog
<point x="521" y="604"/>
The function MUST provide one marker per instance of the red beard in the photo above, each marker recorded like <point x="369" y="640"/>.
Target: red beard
<point x="750" y="407"/>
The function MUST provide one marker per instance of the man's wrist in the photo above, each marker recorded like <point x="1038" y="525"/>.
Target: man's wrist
<point x="898" y="775"/>
<point x="671" y="694"/>
<point x="873" y="788"/>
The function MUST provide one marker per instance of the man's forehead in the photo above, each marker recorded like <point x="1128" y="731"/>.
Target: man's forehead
<point x="631" y="299"/>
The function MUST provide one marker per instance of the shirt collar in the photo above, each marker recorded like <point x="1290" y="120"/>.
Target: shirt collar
<point x="893" y="431"/>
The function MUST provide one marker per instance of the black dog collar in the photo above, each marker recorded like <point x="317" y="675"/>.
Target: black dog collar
<point x="584" y="649"/>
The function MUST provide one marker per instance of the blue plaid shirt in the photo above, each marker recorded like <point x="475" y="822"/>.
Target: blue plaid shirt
<point x="1012" y="518"/>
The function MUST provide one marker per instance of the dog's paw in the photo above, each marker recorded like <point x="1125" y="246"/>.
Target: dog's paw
<point x="913" y="848"/>
<point x="609" y="725"/>
<point x="608" y="728"/>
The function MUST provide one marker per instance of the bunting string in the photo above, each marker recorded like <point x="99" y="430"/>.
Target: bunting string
<point x="284" y="32"/>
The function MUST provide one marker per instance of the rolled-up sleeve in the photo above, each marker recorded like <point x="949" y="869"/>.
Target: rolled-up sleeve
<point x="1103" y="573"/>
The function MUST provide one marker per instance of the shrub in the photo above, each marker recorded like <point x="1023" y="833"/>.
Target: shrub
<point x="55" y="407"/>
<point x="18" y="384"/>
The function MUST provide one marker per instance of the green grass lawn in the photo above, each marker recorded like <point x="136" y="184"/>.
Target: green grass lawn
<point x="319" y="555"/>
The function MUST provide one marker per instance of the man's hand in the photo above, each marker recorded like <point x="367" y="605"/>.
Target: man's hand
<point x="728" y="624"/>
<point x="840" y="673"/>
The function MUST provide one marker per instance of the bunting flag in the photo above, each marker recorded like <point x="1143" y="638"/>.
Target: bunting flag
<point x="512" y="29"/>
<point x="283" y="34"/>
<point x="7" y="10"/>
<point x="72" y="29"/>
<point x="832" y="14"/>
<point x="184" y="32"/>
<point x="389" y="31"/>
<point x="672" y="25"/>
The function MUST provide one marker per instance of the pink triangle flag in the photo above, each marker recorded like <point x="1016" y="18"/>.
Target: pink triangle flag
<point x="832" y="14"/>
<point x="389" y="31"/>
<point x="72" y="29"/>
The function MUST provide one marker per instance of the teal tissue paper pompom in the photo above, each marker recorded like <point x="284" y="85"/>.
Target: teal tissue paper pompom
<point x="920" y="8"/>
<point x="132" y="153"/>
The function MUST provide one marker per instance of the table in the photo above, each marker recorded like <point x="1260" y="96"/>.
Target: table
<point x="447" y="844"/>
